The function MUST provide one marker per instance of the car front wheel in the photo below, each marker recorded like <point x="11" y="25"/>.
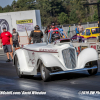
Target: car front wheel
<point x="93" y="71"/>
<point x="45" y="73"/>
<point x="17" y="66"/>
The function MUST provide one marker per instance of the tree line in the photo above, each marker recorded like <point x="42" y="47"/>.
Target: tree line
<point x="58" y="11"/>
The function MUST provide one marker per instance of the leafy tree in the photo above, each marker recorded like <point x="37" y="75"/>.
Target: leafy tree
<point x="95" y="16"/>
<point x="73" y="17"/>
<point x="1" y="9"/>
<point x="63" y="18"/>
<point x="7" y="8"/>
<point x="58" y="11"/>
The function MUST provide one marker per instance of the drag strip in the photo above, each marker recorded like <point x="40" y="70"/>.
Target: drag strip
<point x="61" y="87"/>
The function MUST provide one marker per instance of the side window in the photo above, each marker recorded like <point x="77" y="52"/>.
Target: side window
<point x="88" y="32"/>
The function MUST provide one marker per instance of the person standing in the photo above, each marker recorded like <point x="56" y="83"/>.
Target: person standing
<point x="36" y="35"/>
<point x="76" y="29"/>
<point x="46" y="32"/>
<point x="98" y="38"/>
<point x="80" y="29"/>
<point x="6" y="39"/>
<point x="60" y="29"/>
<point x="63" y="33"/>
<point x="16" y="39"/>
<point x="47" y="29"/>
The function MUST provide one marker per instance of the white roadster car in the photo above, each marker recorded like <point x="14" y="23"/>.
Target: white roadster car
<point x="54" y="57"/>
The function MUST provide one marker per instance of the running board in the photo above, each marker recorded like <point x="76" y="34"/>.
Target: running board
<point x="69" y="71"/>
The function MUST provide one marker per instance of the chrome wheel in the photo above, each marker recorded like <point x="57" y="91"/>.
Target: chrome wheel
<point x="18" y="66"/>
<point x="43" y="71"/>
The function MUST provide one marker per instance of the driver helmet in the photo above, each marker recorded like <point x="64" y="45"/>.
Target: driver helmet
<point x="56" y="36"/>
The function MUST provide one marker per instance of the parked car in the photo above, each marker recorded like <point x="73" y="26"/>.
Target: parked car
<point x="88" y="33"/>
<point x="54" y="57"/>
<point x="91" y="32"/>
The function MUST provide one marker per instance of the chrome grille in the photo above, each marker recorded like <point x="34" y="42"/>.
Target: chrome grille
<point x="69" y="58"/>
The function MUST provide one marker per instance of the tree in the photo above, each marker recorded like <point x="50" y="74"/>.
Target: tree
<point x="58" y="11"/>
<point x="7" y="8"/>
<point x="73" y="17"/>
<point x="63" y="18"/>
<point x="1" y="9"/>
<point x="95" y="16"/>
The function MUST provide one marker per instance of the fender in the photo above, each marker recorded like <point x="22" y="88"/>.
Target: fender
<point x="50" y="60"/>
<point x="21" y="55"/>
<point x="87" y="55"/>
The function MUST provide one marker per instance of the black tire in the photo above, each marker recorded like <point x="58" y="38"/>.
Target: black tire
<point x="45" y="73"/>
<point x="93" y="71"/>
<point x="17" y="69"/>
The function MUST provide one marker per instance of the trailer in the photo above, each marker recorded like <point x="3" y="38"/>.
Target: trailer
<point x="20" y="20"/>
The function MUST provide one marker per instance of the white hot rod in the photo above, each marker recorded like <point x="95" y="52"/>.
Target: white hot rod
<point x="54" y="57"/>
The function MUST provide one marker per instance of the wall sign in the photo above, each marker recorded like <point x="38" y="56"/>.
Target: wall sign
<point x="22" y="24"/>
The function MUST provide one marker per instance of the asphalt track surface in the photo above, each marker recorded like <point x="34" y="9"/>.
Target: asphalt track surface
<point x="61" y="87"/>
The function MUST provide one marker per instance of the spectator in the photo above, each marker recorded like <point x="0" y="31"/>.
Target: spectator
<point x="63" y="33"/>
<point x="80" y="28"/>
<point x="98" y="38"/>
<point x="36" y="34"/>
<point x="47" y="29"/>
<point x="6" y="39"/>
<point x="46" y="32"/>
<point x="60" y="29"/>
<point x="76" y="29"/>
<point x="53" y="28"/>
<point x="16" y="39"/>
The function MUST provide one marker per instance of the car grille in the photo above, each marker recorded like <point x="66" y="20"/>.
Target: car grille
<point x="69" y="58"/>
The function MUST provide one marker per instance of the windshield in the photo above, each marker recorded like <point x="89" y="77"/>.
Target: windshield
<point x="95" y="30"/>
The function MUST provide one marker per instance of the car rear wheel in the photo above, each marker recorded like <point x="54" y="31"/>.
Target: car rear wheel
<point x="45" y="73"/>
<point x="93" y="71"/>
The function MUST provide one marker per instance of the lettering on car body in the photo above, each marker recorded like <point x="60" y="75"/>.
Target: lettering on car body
<point x="48" y="50"/>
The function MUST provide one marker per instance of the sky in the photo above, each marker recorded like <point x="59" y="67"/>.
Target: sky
<point x="4" y="3"/>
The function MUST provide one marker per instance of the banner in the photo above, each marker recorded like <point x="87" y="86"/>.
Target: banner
<point x="22" y="24"/>
<point x="24" y="21"/>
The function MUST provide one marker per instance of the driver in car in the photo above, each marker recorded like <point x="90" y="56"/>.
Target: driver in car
<point x="56" y="37"/>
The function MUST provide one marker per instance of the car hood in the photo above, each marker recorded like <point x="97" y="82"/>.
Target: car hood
<point x="45" y="46"/>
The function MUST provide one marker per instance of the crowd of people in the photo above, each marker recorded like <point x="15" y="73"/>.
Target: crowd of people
<point x="10" y="41"/>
